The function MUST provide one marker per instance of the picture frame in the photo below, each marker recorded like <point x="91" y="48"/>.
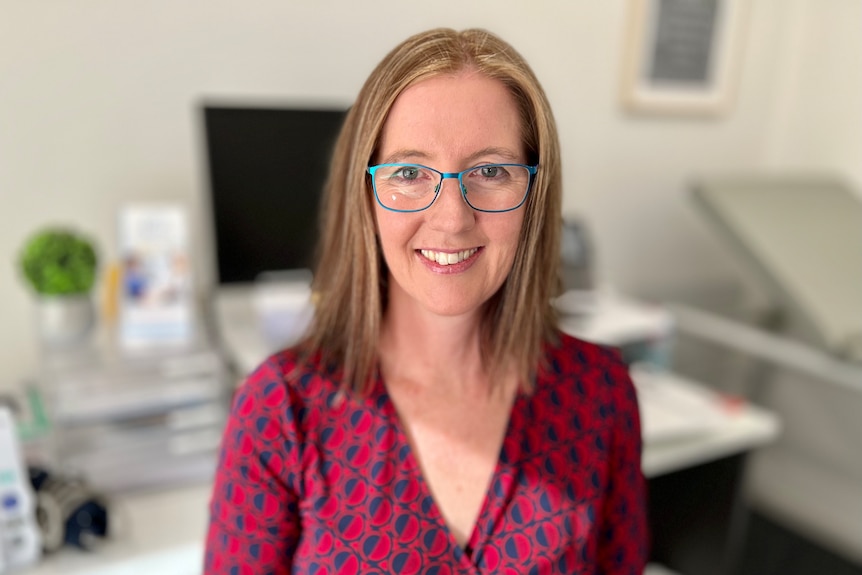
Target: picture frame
<point x="682" y="56"/>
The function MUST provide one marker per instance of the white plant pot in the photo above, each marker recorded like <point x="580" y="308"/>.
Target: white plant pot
<point x="65" y="321"/>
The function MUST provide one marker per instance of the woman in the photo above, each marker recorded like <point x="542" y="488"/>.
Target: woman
<point x="434" y="420"/>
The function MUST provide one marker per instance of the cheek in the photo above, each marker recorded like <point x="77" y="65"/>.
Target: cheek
<point x="393" y="231"/>
<point x="382" y="225"/>
<point x="510" y="238"/>
<point x="506" y="231"/>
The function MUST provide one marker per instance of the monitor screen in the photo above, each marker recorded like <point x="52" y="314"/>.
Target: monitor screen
<point x="267" y="168"/>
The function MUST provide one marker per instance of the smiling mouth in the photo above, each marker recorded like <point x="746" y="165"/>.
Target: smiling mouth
<point x="447" y="259"/>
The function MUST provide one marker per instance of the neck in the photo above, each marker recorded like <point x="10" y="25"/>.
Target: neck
<point x="442" y="353"/>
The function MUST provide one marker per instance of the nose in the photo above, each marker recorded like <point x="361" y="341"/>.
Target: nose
<point x="450" y="212"/>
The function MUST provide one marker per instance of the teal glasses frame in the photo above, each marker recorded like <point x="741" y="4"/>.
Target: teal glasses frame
<point x="453" y="176"/>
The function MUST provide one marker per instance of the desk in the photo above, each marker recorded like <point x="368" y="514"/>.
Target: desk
<point x="695" y="472"/>
<point x="698" y="512"/>
<point x="743" y="428"/>
<point x="158" y="532"/>
<point x="162" y="532"/>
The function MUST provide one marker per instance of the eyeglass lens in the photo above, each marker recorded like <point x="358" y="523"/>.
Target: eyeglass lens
<point x="492" y="187"/>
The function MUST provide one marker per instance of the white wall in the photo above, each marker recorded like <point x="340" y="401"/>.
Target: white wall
<point x="817" y="122"/>
<point x="97" y="107"/>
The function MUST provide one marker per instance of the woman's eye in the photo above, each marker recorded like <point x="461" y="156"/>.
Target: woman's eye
<point x="492" y="172"/>
<point x="408" y="173"/>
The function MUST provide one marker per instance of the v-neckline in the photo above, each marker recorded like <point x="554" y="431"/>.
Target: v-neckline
<point x="479" y="531"/>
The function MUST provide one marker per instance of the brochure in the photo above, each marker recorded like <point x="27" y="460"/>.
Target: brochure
<point x="156" y="297"/>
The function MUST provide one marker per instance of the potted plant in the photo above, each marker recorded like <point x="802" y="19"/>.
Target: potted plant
<point x="60" y="265"/>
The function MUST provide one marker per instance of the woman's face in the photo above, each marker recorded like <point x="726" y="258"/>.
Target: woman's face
<point x="450" y="123"/>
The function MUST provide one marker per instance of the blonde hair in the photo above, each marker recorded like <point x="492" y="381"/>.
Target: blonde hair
<point x="351" y="275"/>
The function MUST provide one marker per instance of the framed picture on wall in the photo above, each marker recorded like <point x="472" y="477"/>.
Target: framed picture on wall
<point x="682" y="56"/>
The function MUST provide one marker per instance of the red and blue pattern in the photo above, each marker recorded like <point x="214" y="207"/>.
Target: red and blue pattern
<point x="316" y="482"/>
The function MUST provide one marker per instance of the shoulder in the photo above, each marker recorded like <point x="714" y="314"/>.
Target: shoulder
<point x="572" y="355"/>
<point x="589" y="384"/>
<point x="299" y="371"/>
<point x="589" y="369"/>
<point x="286" y="378"/>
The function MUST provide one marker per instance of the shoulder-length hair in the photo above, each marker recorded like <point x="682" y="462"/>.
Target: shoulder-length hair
<point x="350" y="279"/>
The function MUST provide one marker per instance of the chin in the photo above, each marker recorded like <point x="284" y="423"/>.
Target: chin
<point x="440" y="298"/>
<point x="456" y="306"/>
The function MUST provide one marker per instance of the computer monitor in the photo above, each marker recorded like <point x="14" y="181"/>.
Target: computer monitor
<point x="267" y="167"/>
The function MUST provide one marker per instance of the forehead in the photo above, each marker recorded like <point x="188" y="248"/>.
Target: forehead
<point x="453" y="115"/>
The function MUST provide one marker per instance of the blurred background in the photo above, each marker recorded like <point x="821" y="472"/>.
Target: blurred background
<point x="100" y="107"/>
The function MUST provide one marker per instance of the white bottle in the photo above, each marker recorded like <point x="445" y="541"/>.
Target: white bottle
<point x="20" y="541"/>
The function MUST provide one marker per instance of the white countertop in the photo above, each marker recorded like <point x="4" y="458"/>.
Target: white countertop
<point x="159" y="532"/>
<point x="706" y="426"/>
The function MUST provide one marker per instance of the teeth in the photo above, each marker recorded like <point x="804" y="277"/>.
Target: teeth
<point x="446" y="259"/>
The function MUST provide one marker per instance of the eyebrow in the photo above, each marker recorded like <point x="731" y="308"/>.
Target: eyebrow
<point x="400" y="155"/>
<point x="403" y="154"/>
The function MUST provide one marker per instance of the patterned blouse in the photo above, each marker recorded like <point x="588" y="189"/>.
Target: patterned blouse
<point x="312" y="481"/>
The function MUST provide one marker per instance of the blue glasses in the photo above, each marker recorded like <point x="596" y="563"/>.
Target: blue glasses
<point x="485" y="188"/>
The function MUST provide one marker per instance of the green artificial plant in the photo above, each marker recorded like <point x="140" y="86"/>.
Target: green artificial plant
<point x="59" y="262"/>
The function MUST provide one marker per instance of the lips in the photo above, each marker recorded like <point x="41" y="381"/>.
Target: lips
<point x="447" y="258"/>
